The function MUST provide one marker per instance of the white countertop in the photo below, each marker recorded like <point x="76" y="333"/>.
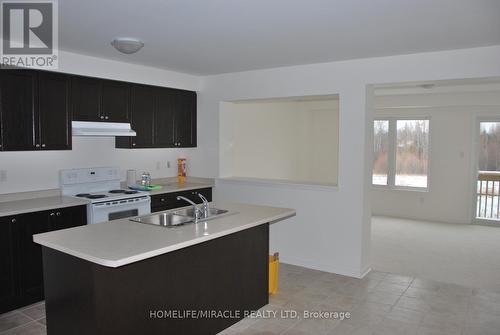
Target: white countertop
<point x="33" y="201"/>
<point x="120" y="242"/>
<point x="38" y="204"/>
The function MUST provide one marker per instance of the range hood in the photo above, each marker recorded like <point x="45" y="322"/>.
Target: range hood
<point x="83" y="128"/>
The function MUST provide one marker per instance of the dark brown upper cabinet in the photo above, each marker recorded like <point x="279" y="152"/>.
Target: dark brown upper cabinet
<point x="34" y="110"/>
<point x="168" y="119"/>
<point x="54" y="127"/>
<point x="165" y="119"/>
<point x="115" y="101"/>
<point x="18" y="109"/>
<point x="184" y="107"/>
<point x="142" y="111"/>
<point x="100" y="100"/>
<point x="86" y="98"/>
<point x="37" y="107"/>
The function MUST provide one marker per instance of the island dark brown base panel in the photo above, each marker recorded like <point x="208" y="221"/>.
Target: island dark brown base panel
<point x="226" y="275"/>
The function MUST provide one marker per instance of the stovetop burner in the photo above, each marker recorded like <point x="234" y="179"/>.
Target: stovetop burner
<point x="124" y="191"/>
<point x="82" y="195"/>
<point x="118" y="191"/>
<point x="96" y="196"/>
<point x="131" y="192"/>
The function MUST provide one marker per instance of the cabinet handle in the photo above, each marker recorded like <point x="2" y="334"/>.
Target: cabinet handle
<point x="106" y="117"/>
<point x="52" y="214"/>
<point x="102" y="117"/>
<point x="43" y="145"/>
<point x="37" y="145"/>
<point x="162" y="199"/>
<point x="58" y="213"/>
<point x="13" y="220"/>
<point x="133" y="144"/>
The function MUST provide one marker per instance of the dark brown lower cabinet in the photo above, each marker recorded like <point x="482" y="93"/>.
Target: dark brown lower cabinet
<point x="21" y="275"/>
<point x="8" y="281"/>
<point x="200" y="289"/>
<point x="163" y="202"/>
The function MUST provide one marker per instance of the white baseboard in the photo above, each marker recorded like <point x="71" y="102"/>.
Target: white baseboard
<point x="331" y="268"/>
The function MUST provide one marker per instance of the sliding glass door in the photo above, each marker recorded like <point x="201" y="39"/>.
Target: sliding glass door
<point x="487" y="183"/>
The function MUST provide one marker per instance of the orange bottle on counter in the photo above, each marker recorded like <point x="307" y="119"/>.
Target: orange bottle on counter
<point x="181" y="170"/>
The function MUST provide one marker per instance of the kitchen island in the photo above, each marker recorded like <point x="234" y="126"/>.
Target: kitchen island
<point x="124" y="277"/>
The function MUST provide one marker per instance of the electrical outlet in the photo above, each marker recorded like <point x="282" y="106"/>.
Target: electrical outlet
<point x="168" y="164"/>
<point x="3" y="176"/>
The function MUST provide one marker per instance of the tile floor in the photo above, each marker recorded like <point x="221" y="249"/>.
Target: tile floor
<point x="380" y="303"/>
<point x="29" y="320"/>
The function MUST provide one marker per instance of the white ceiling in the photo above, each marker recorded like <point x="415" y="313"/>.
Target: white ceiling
<point x="217" y="36"/>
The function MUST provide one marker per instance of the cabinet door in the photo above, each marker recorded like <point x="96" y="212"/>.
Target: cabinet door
<point x="185" y="118"/>
<point x="17" y="109"/>
<point x="115" y="101"/>
<point x="30" y="255"/>
<point x="164" y="119"/>
<point x="142" y="116"/>
<point x="54" y="111"/>
<point x="86" y="99"/>
<point x="8" y="287"/>
<point x="69" y="217"/>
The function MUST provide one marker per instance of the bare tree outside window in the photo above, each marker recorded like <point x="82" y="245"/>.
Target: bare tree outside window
<point x="381" y="152"/>
<point x="412" y="153"/>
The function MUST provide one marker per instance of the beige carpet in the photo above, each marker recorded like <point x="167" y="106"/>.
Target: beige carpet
<point x="462" y="254"/>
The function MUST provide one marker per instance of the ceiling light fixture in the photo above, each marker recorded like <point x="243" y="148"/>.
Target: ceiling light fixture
<point x="127" y="45"/>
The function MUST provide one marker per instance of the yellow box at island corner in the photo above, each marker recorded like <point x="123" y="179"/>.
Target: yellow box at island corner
<point x="273" y="273"/>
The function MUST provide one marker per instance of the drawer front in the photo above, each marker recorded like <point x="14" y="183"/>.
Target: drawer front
<point x="162" y="202"/>
<point x="193" y="194"/>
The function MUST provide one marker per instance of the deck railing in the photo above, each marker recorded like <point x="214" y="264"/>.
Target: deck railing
<point x="488" y="191"/>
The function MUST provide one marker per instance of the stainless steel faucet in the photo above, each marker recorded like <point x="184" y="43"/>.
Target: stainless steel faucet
<point x="204" y="208"/>
<point x="197" y="211"/>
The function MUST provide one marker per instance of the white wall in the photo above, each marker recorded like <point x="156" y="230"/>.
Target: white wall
<point x="452" y="131"/>
<point x="332" y="228"/>
<point x="27" y="171"/>
<point x="286" y="140"/>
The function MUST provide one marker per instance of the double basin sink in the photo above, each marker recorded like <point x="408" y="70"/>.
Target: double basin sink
<point x="179" y="217"/>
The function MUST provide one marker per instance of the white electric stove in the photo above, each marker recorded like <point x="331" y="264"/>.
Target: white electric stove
<point x="107" y="200"/>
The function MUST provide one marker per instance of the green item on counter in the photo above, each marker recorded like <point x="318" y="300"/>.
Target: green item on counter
<point x="145" y="188"/>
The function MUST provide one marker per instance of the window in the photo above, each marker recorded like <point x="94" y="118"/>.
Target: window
<point x="401" y="153"/>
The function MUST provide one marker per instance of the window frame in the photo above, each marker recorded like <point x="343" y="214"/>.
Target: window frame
<point x="391" y="163"/>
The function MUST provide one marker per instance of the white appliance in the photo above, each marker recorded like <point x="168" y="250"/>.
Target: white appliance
<point x="85" y="128"/>
<point x="101" y="186"/>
